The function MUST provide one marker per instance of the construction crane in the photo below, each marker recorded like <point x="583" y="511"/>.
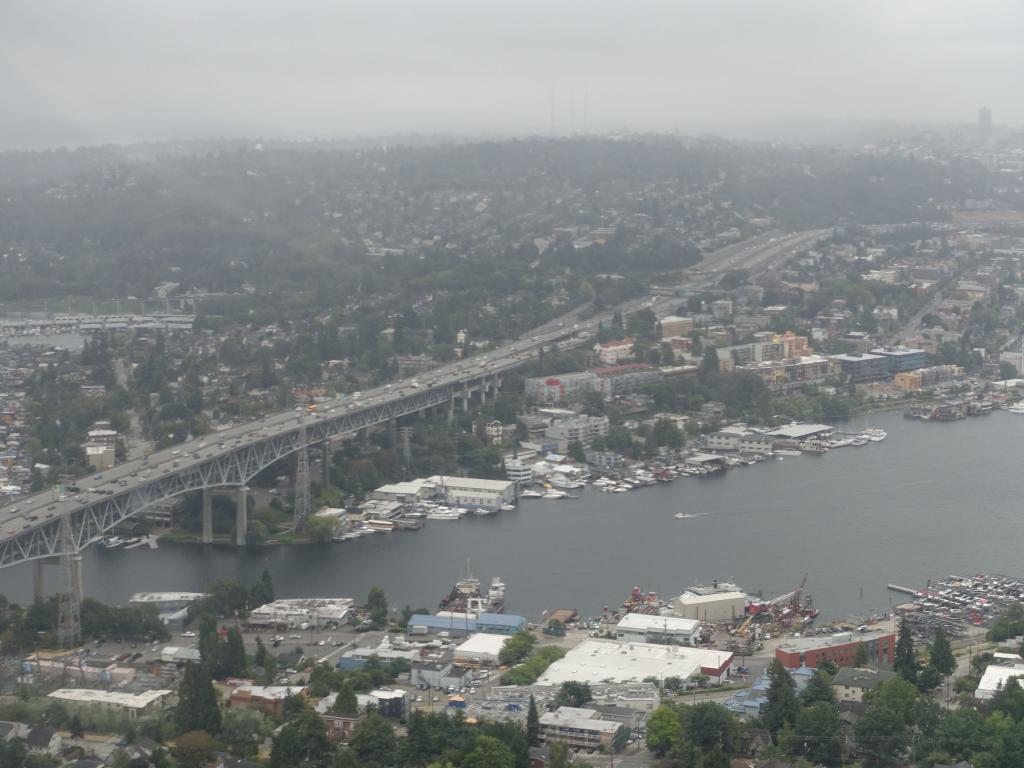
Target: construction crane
<point x="796" y="594"/>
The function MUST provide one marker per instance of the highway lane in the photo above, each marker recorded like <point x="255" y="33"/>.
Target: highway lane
<point x="38" y="509"/>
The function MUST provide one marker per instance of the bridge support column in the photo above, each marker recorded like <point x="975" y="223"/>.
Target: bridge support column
<point x="465" y="397"/>
<point x="325" y="463"/>
<point x="451" y="409"/>
<point x="38" y="584"/>
<point x="76" y="577"/>
<point x="241" y="517"/>
<point x="207" y="516"/>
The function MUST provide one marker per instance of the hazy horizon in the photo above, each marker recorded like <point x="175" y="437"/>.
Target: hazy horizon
<point x="104" y="72"/>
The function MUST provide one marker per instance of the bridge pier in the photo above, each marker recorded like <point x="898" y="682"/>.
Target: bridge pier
<point x="451" y="409"/>
<point x="207" y="516"/>
<point x="241" y="517"/>
<point x="325" y="463"/>
<point x="38" y="583"/>
<point x="465" y="397"/>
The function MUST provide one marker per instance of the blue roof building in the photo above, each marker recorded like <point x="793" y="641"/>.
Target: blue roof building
<point x="499" y="623"/>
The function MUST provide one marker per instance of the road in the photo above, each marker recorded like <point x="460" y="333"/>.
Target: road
<point x="19" y="519"/>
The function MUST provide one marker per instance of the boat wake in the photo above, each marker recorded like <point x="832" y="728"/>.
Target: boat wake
<point x="688" y="515"/>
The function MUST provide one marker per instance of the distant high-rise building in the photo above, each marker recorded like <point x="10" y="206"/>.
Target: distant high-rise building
<point x="984" y="125"/>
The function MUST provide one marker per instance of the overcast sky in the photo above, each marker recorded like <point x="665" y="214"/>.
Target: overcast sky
<point x="89" y="71"/>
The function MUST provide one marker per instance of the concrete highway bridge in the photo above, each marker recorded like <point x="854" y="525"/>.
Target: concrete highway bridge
<point x="46" y="527"/>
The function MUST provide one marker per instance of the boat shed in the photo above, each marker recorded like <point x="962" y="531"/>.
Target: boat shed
<point x="801" y="431"/>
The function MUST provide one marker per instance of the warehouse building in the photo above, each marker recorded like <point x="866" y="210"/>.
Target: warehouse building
<point x="666" y="630"/>
<point x="596" y="661"/>
<point x="480" y="650"/>
<point x="463" y="624"/>
<point x="475" y="492"/>
<point x="840" y="649"/>
<point x="718" y="604"/>
<point x="134" y="705"/>
<point x="995" y="678"/>
<point x="312" y="612"/>
<point x="356" y="658"/>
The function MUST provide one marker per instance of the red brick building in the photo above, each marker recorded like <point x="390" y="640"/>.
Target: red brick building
<point x="839" y="648"/>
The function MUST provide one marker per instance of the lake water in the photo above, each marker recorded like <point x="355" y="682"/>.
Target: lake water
<point x="931" y="500"/>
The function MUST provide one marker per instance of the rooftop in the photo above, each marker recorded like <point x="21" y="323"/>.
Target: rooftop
<point x="855" y="357"/>
<point x="861" y="678"/>
<point x="596" y="661"/>
<point x="482" y="642"/>
<point x="642" y="621"/>
<point x="581" y="719"/>
<point x="166" y="597"/>
<point x="828" y="641"/>
<point x="90" y="696"/>
<point x="799" y="431"/>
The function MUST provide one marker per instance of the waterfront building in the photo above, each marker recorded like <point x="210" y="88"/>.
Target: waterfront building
<point x="611" y="661"/>
<point x="134" y="705"/>
<point x="717" y="604"/>
<point x="666" y="630"/>
<point x="840" y="648"/>
<point x="314" y="611"/>
<point x="862" y="366"/>
<point x="740" y="440"/>
<point x="475" y="492"/>
<point x="500" y="623"/>
<point x="172" y="606"/>
<point x="581" y="429"/>
<point x="518" y="471"/>
<point x="851" y="683"/>
<point x="578" y="728"/>
<point x="902" y="358"/>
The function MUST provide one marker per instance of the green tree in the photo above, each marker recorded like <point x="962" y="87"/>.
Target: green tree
<point x="782" y="705"/>
<point x="708" y="726"/>
<point x="621" y="738"/>
<point x="573" y="694"/>
<point x="818" y="688"/>
<point x="941" y="653"/>
<point x="895" y="694"/>
<point x="593" y="403"/>
<point x="346" y="702"/>
<point x="860" y="656"/>
<point x="243" y="729"/>
<point x="374" y="740"/>
<point x="829" y="667"/>
<point x="905" y="661"/>
<point x="75" y="726"/>
<point x="880" y="733"/>
<point x="320" y="529"/>
<point x="516" y="648"/>
<point x="532" y="724"/>
<point x="559" y="755"/>
<point x="817" y="734"/>
<point x="194" y="749"/>
<point x="664" y="730"/>
<point x="377" y="607"/>
<point x="488" y="752"/>
<point x="709" y="363"/>
<point x="928" y="678"/>
<point x="576" y="452"/>
<point x="259" y="658"/>
<point x="234" y="661"/>
<point x="197" y="708"/>
<point x="301" y="742"/>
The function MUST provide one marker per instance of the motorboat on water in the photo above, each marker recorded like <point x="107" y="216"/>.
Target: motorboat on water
<point x="875" y="435"/>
